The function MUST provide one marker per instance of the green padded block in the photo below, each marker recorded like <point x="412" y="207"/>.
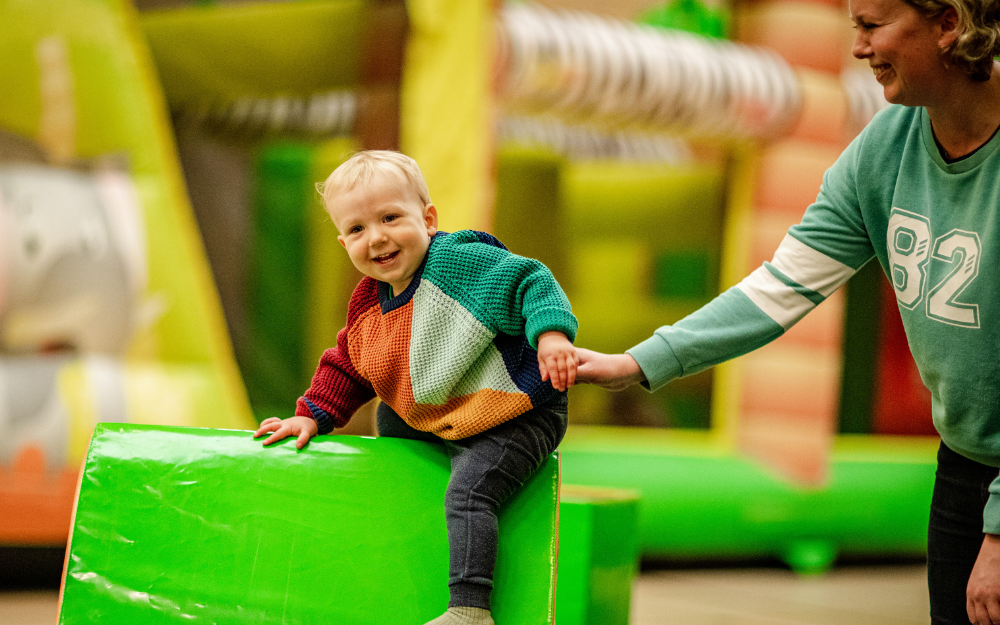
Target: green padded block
<point x="190" y="525"/>
<point x="698" y="500"/>
<point x="597" y="555"/>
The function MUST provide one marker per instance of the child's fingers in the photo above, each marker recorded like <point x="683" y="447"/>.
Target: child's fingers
<point x="280" y="434"/>
<point x="554" y="373"/>
<point x="302" y="440"/>
<point x="267" y="425"/>
<point x="543" y="370"/>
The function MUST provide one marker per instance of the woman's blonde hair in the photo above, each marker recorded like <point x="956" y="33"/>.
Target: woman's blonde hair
<point x="978" y="41"/>
<point x="362" y="168"/>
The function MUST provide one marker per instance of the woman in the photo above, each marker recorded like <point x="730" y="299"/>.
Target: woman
<point x="918" y="189"/>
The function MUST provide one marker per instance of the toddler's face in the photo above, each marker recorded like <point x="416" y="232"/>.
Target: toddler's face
<point x="385" y="228"/>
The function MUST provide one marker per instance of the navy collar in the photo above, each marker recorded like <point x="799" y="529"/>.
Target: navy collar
<point x="387" y="301"/>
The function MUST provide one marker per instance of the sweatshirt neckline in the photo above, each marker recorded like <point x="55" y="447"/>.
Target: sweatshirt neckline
<point x="387" y="301"/>
<point x="963" y="165"/>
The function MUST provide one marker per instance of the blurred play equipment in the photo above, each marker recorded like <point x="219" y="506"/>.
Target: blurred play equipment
<point x="191" y="525"/>
<point x="107" y="310"/>
<point x="637" y="241"/>
<point x="583" y="143"/>
<point x="700" y="502"/>
<point x="579" y="65"/>
<point x="302" y="122"/>
<point x="249" y="77"/>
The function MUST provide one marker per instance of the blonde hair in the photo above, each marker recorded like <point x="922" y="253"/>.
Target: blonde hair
<point x="362" y="168"/>
<point x="979" y="33"/>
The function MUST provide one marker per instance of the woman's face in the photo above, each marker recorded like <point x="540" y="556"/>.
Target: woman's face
<point x="903" y="49"/>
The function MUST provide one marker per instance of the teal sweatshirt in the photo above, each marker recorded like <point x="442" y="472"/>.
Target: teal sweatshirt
<point x="935" y="229"/>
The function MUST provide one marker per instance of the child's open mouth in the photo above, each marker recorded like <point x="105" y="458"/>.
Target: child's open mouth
<point x="385" y="258"/>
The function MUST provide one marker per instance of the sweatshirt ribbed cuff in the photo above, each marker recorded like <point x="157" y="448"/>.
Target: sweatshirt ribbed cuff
<point x="657" y="360"/>
<point x="323" y="420"/>
<point x="548" y="320"/>
<point x="991" y="515"/>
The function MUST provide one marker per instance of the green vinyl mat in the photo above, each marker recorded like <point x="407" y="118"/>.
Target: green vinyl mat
<point x="192" y="525"/>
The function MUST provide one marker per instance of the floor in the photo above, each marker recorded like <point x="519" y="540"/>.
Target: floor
<point x="886" y="595"/>
<point x="882" y="595"/>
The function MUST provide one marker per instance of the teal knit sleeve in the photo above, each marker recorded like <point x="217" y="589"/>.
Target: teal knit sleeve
<point x="504" y="291"/>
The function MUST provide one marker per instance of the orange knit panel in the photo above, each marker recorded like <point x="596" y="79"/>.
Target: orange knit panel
<point x="379" y="347"/>
<point x="462" y="417"/>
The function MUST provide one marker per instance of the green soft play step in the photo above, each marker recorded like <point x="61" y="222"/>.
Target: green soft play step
<point x="210" y="54"/>
<point x="699" y="500"/>
<point x="191" y="525"/>
<point x="597" y="555"/>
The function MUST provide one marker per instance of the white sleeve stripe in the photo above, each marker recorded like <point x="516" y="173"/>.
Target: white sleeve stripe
<point x="775" y="298"/>
<point x="810" y="268"/>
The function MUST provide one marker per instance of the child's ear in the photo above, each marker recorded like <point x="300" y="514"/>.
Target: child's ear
<point x="340" y="239"/>
<point x="431" y="219"/>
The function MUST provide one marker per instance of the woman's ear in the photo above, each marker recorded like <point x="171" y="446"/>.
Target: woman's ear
<point x="949" y="28"/>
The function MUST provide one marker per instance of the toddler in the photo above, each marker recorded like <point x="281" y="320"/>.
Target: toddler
<point x="463" y="342"/>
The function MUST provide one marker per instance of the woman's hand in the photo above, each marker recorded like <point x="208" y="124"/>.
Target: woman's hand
<point x="557" y="360"/>
<point x="983" y="592"/>
<point x="302" y="427"/>
<point x="611" y="371"/>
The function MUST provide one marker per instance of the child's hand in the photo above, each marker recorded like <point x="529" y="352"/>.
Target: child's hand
<point x="302" y="427"/>
<point x="557" y="360"/>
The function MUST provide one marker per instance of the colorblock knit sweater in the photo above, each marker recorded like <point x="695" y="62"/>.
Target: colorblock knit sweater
<point x="455" y="353"/>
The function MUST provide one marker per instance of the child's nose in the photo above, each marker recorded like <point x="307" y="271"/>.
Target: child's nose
<point x="378" y="235"/>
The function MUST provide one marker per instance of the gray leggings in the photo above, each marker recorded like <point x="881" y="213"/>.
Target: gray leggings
<point x="486" y="469"/>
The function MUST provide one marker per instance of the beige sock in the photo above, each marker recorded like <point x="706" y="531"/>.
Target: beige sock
<point x="464" y="616"/>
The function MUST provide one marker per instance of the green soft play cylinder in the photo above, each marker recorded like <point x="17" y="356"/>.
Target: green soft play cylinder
<point x="198" y="526"/>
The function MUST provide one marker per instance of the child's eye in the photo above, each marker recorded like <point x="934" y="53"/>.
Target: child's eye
<point x="355" y="230"/>
<point x="389" y="218"/>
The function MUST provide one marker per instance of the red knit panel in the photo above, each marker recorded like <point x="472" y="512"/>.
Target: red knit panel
<point x="379" y="346"/>
<point x="365" y="296"/>
<point x="337" y="386"/>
